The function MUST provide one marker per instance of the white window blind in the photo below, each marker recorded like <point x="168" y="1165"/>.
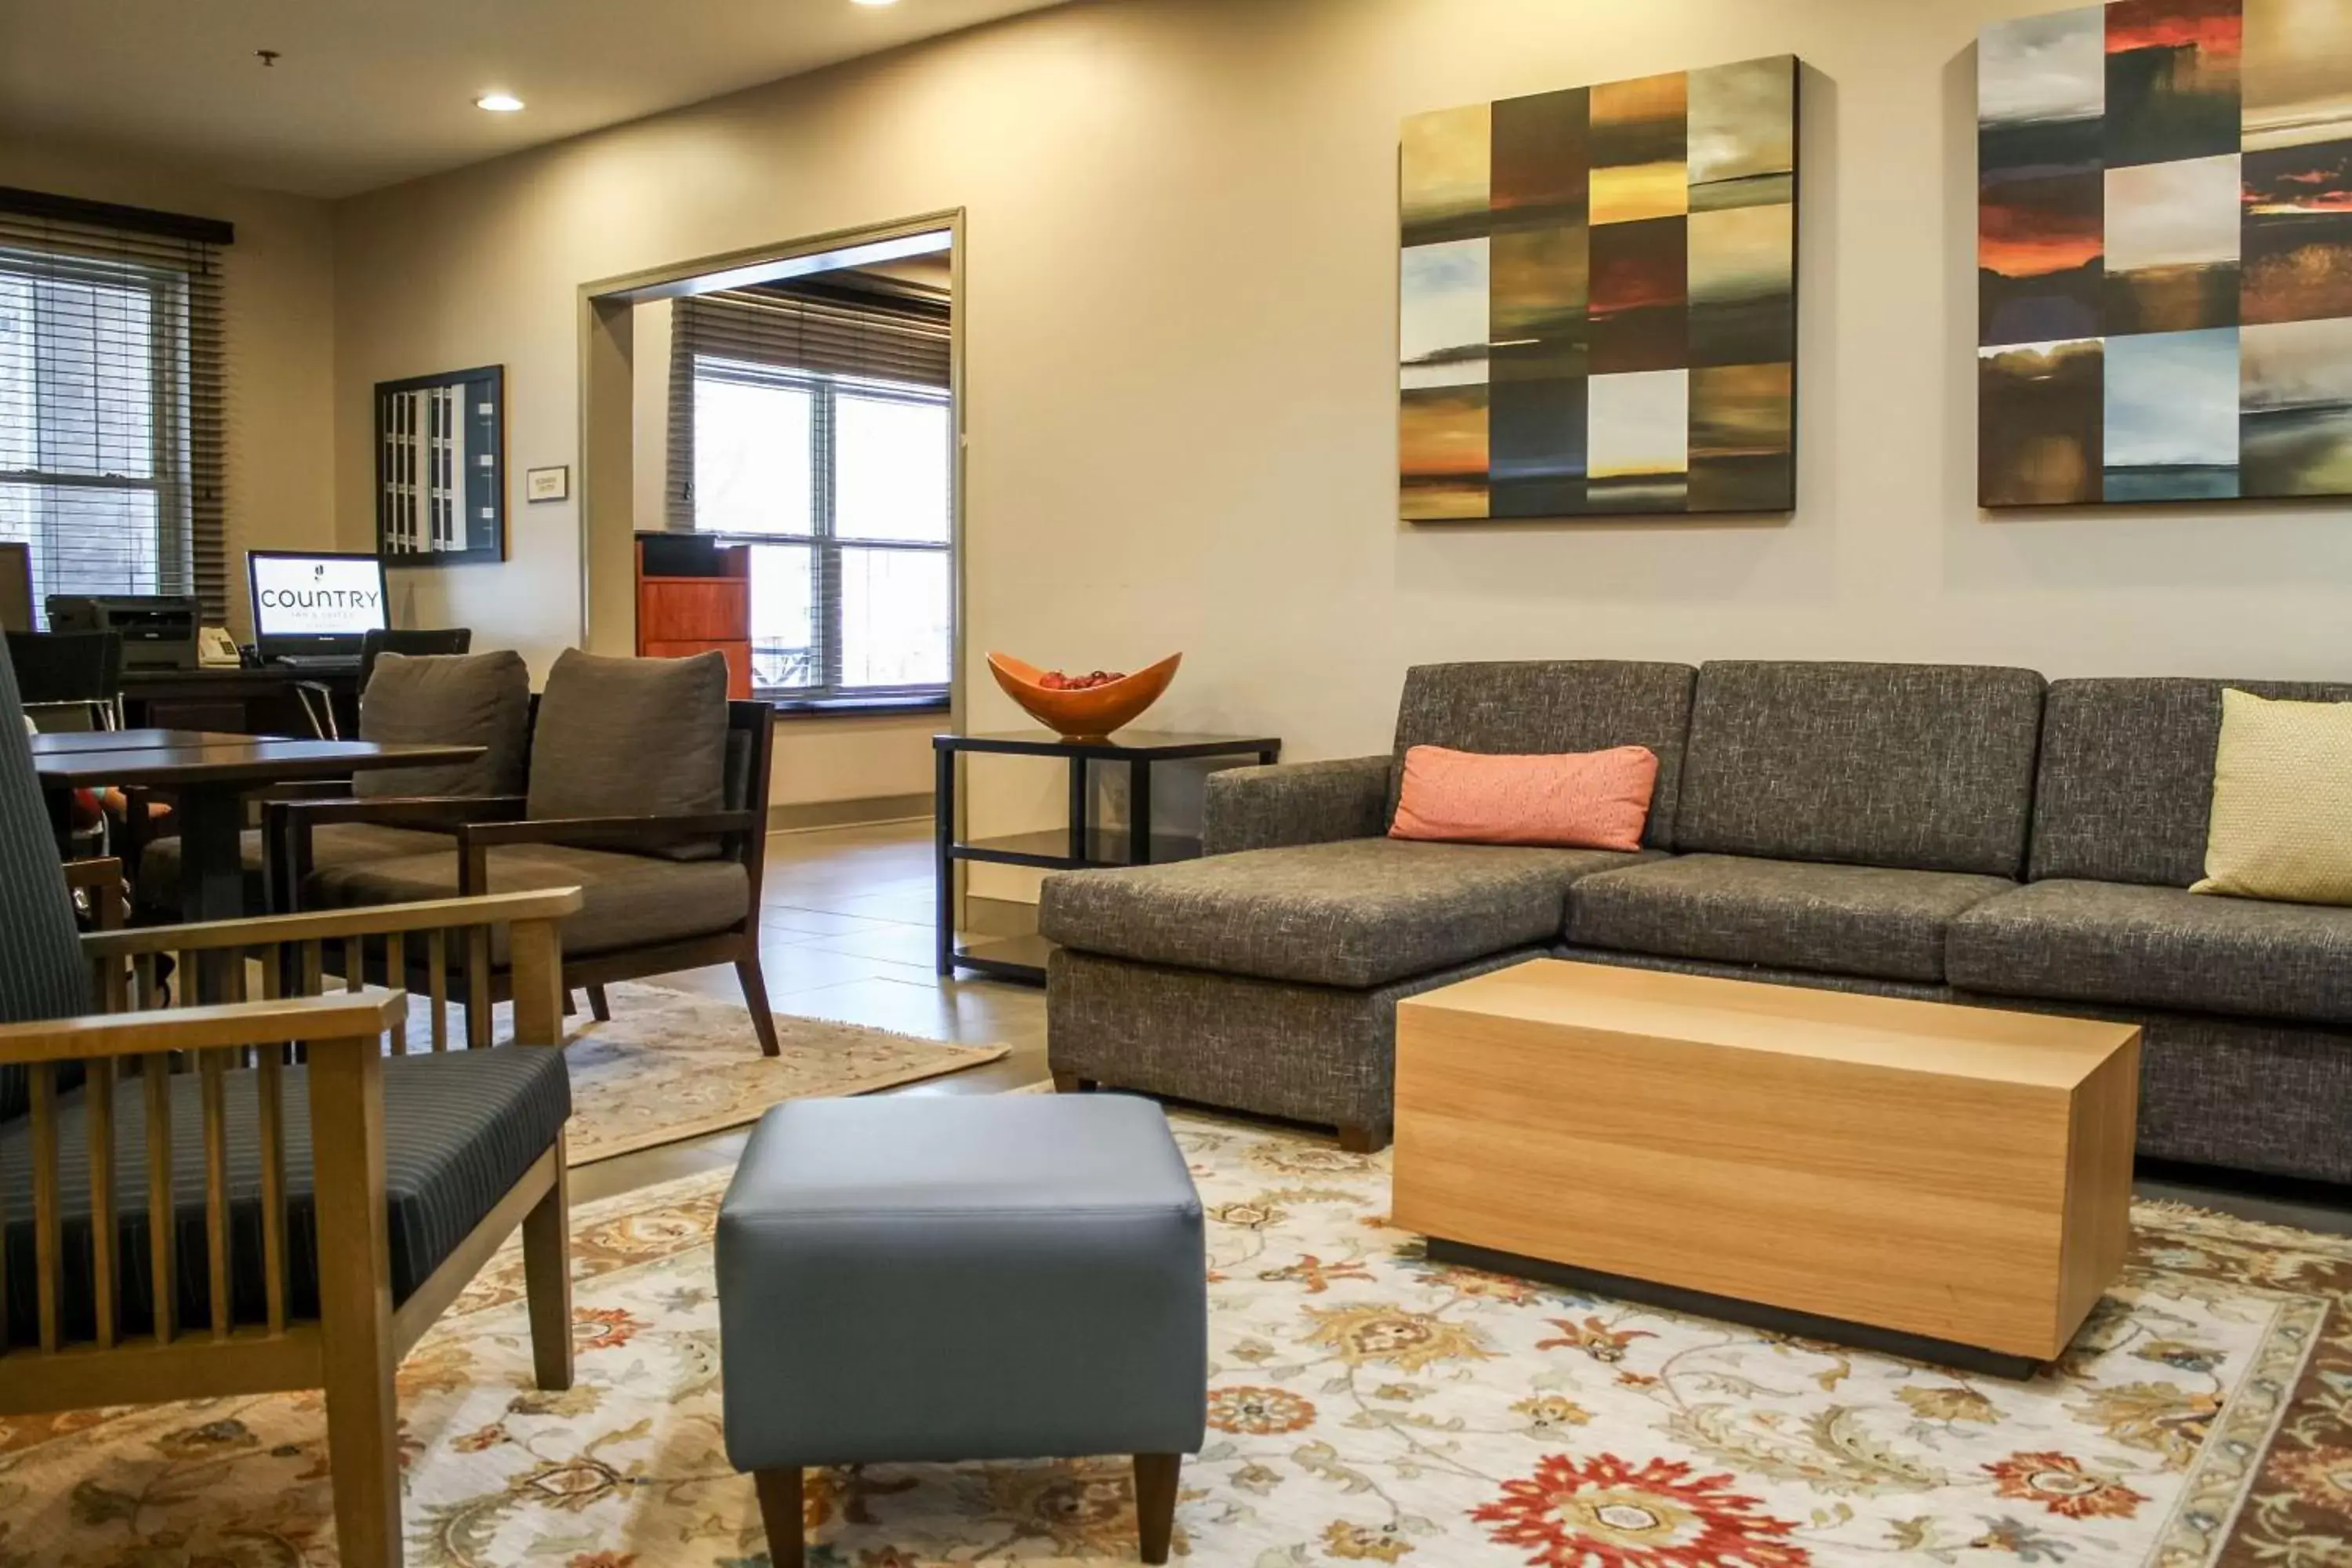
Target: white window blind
<point x="111" y="398"/>
<point x="819" y="431"/>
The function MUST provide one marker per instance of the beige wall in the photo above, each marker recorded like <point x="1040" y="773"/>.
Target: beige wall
<point x="1180" y="292"/>
<point x="278" y="297"/>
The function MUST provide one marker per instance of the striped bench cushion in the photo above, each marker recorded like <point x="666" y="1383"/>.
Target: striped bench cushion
<point x="460" y="1130"/>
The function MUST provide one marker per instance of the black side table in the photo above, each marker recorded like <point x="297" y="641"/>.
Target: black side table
<point x="1081" y="846"/>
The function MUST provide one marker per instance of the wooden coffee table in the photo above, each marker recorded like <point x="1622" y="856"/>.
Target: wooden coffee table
<point x="1949" y="1183"/>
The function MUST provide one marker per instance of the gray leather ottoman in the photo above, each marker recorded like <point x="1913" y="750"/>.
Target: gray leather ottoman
<point x="942" y="1279"/>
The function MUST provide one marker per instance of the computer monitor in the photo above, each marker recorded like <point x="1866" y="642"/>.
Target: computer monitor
<point x="312" y="604"/>
<point x="15" y="586"/>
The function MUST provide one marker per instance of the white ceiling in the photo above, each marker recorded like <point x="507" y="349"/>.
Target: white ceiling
<point x="371" y="92"/>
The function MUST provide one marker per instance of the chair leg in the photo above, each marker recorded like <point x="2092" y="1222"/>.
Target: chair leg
<point x="1155" y="1502"/>
<point x="755" y="997"/>
<point x="598" y="1008"/>
<point x="570" y="1007"/>
<point x="780" y="1512"/>
<point x="547" y="1279"/>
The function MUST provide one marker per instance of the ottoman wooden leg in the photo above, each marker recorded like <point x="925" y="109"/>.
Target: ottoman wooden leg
<point x="1071" y="1083"/>
<point x="1155" y="1502"/>
<point x="779" y="1510"/>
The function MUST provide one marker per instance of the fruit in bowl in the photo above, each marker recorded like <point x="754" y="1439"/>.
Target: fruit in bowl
<point x="1082" y="707"/>
<point x="1054" y="680"/>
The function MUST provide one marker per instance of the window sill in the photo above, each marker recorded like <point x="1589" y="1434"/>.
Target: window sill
<point x="856" y="707"/>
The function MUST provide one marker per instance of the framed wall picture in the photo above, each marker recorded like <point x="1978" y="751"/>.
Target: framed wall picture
<point x="440" y="467"/>
<point x="1597" y="300"/>
<point x="2164" y="253"/>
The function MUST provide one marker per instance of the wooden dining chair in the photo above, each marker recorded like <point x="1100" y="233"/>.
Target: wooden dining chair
<point x="263" y="1195"/>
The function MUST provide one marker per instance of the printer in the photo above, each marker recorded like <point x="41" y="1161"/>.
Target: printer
<point x="158" y="630"/>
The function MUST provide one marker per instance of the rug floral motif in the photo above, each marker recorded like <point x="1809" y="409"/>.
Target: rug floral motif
<point x="673" y="1065"/>
<point x="1365" y="1406"/>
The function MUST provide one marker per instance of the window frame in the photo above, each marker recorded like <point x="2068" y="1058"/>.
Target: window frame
<point x="826" y="545"/>
<point x="170" y="386"/>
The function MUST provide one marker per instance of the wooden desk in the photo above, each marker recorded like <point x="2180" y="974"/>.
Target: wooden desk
<point x="1956" y="1177"/>
<point x="243" y="701"/>
<point x="209" y="774"/>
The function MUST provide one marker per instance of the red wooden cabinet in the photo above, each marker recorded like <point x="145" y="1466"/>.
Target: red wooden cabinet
<point x="681" y="616"/>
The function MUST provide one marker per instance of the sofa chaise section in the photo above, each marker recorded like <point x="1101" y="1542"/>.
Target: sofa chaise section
<point x="1265" y="975"/>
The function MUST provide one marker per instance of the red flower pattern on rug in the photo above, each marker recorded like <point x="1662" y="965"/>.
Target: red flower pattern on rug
<point x="2061" y="1485"/>
<point x="1606" y="1512"/>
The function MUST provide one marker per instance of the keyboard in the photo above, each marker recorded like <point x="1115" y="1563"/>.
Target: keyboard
<point x="317" y="663"/>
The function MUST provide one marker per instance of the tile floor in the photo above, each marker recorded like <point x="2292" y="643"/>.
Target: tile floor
<point x="848" y="926"/>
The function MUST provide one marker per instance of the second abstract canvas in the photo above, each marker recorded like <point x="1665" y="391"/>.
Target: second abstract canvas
<point x="1597" y="300"/>
<point x="2164" y="252"/>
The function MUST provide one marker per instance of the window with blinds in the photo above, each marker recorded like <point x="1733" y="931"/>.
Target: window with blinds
<point x="818" y="430"/>
<point x="110" y="398"/>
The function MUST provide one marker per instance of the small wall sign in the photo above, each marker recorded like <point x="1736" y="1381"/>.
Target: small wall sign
<point x="548" y="484"/>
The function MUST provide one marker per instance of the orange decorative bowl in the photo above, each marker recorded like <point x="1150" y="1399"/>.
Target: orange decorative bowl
<point x="1088" y="715"/>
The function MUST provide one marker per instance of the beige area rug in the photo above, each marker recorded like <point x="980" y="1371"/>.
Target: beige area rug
<point x="673" y="1065"/>
<point x="1365" y="1406"/>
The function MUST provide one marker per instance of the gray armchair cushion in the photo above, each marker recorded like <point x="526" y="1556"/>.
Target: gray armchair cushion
<point x="2126" y="787"/>
<point x="1295" y="802"/>
<point x="474" y="700"/>
<point x="1928" y="766"/>
<point x="338" y="844"/>
<point x="42" y="972"/>
<point x="1356" y="913"/>
<point x="2142" y="946"/>
<point x="1788" y="914"/>
<point x="459" y="1131"/>
<point x="1550" y="707"/>
<point x="627" y="900"/>
<point x="631" y="737"/>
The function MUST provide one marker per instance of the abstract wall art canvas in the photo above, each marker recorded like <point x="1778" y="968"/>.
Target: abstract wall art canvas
<point x="2164" y="253"/>
<point x="1598" y="308"/>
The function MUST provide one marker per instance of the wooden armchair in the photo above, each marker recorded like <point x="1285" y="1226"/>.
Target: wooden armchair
<point x="187" y="1211"/>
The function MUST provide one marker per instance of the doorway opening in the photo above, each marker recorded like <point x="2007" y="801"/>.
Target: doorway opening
<point x="789" y="421"/>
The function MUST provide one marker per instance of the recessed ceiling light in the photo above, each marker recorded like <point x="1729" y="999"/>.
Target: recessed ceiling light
<point x="874" y="1"/>
<point x="499" y="103"/>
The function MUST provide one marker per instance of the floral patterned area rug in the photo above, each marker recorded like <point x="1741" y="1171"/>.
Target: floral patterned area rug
<point x="1365" y="1406"/>
<point x="673" y="1065"/>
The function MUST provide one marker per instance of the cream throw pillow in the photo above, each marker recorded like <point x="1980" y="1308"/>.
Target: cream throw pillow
<point x="2282" y="823"/>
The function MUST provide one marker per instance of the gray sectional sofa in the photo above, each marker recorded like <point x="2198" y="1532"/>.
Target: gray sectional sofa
<point x="1956" y="833"/>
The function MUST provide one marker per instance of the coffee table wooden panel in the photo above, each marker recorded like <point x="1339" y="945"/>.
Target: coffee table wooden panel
<point x="1957" y="1173"/>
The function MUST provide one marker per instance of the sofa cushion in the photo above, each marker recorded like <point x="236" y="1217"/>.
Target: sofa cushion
<point x="337" y="843"/>
<point x="459" y="1129"/>
<point x="1788" y="914"/>
<point x="1552" y="706"/>
<point x="1926" y="767"/>
<point x="627" y="900"/>
<point x="2126" y="785"/>
<point x="631" y="737"/>
<point x="474" y="700"/>
<point x="1359" y="912"/>
<point x="2139" y="946"/>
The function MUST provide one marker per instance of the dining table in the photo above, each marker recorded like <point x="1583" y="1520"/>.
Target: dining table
<point x="208" y="775"/>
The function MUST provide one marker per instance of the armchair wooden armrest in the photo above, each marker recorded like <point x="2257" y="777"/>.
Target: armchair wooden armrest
<point x="544" y="904"/>
<point x="636" y="830"/>
<point x="359" y="1016"/>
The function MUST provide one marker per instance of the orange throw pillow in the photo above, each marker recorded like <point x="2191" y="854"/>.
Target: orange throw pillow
<point x="1579" y="800"/>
